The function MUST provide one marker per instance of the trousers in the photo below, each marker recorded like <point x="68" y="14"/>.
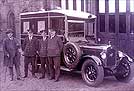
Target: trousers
<point x="17" y="68"/>
<point x="27" y="61"/>
<point x="54" y="67"/>
<point x="44" y="65"/>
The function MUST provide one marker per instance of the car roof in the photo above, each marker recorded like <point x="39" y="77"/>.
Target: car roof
<point x="70" y="13"/>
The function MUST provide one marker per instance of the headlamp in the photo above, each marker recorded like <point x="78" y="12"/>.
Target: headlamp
<point x="120" y="54"/>
<point x="103" y="55"/>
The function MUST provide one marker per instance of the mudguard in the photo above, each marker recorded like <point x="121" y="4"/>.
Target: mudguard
<point x="96" y="59"/>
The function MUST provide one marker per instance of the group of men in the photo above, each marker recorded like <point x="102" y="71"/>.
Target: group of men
<point x="49" y="49"/>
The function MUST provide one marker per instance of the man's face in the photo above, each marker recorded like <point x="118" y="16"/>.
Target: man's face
<point x="52" y="33"/>
<point x="30" y="34"/>
<point x="10" y="35"/>
<point x="43" y="34"/>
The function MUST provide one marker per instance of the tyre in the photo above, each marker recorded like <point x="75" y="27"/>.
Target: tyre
<point x="124" y="71"/>
<point x="92" y="74"/>
<point x="72" y="54"/>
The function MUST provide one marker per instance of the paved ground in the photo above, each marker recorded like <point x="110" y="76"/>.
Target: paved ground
<point x="68" y="82"/>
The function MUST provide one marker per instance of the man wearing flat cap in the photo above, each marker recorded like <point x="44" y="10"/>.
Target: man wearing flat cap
<point x="12" y="55"/>
<point x="30" y="46"/>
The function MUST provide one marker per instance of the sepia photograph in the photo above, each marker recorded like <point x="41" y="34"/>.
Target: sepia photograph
<point x="66" y="45"/>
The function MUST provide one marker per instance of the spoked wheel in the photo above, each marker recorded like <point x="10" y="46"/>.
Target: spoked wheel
<point x="92" y="74"/>
<point x="124" y="71"/>
<point x="71" y="55"/>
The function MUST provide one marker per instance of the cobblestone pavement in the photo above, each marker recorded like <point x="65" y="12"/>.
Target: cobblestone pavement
<point x="68" y="82"/>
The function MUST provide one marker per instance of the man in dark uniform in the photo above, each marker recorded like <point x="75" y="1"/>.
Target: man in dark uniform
<point x="54" y="50"/>
<point x="42" y="50"/>
<point x="11" y="48"/>
<point x="30" y="46"/>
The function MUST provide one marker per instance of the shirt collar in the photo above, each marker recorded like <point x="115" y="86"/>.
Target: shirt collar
<point x="52" y="36"/>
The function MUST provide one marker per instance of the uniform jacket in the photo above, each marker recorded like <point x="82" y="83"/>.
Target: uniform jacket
<point x="30" y="46"/>
<point x="54" y="47"/>
<point x="11" y="47"/>
<point x="42" y="49"/>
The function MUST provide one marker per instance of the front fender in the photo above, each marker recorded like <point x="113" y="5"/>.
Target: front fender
<point x="124" y="55"/>
<point x="95" y="58"/>
<point x="129" y="59"/>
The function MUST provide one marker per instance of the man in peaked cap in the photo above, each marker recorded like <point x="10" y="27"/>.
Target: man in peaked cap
<point x="30" y="46"/>
<point x="12" y="55"/>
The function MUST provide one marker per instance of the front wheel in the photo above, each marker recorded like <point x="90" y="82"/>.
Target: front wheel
<point x="92" y="74"/>
<point x="124" y="71"/>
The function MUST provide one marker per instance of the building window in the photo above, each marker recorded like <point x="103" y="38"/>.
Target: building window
<point x="78" y="5"/>
<point x="82" y="5"/>
<point x="131" y="5"/>
<point x="111" y="6"/>
<point x="132" y="24"/>
<point x="101" y="6"/>
<point x="112" y="23"/>
<point x="122" y="23"/>
<point x="74" y="4"/>
<point x="66" y="4"/>
<point x="70" y="3"/>
<point x="122" y="5"/>
<point x="63" y="4"/>
<point x="102" y="23"/>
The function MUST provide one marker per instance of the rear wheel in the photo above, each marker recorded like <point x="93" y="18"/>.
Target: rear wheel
<point x="92" y="74"/>
<point x="124" y="71"/>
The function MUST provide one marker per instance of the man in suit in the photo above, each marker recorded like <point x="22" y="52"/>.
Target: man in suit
<point x="42" y="50"/>
<point x="11" y="48"/>
<point x="30" y="46"/>
<point x="54" y="50"/>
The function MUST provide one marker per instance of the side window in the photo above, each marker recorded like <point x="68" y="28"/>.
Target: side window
<point x="58" y="24"/>
<point x="76" y="29"/>
<point x="41" y="25"/>
<point x="26" y="26"/>
<point x="91" y="29"/>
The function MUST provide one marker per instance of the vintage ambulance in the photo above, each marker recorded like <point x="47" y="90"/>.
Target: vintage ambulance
<point x="81" y="51"/>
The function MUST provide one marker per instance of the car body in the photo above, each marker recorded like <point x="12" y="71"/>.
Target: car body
<point x="81" y="51"/>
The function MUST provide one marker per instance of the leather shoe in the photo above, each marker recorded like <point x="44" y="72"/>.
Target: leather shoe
<point x="50" y="78"/>
<point x="56" y="80"/>
<point x="11" y="79"/>
<point x="42" y="77"/>
<point x="18" y="79"/>
<point x="34" y="76"/>
<point x="25" y="76"/>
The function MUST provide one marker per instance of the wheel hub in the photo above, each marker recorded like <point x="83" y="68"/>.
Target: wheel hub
<point x="91" y="73"/>
<point x="71" y="55"/>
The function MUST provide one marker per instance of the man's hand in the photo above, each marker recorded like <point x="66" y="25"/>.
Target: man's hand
<point x="8" y="55"/>
<point x="22" y="53"/>
<point x="20" y="50"/>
